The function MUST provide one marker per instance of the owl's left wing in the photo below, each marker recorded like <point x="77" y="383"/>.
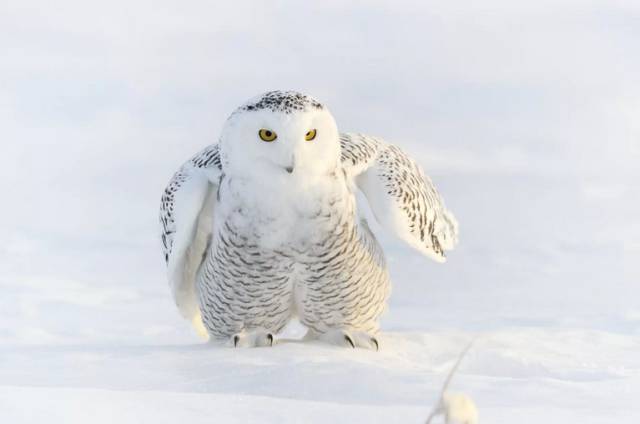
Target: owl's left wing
<point x="401" y="197"/>
<point x="186" y="219"/>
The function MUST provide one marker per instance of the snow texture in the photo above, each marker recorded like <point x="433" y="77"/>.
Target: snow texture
<point x="524" y="115"/>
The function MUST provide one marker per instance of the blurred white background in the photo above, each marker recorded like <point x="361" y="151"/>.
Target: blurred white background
<point x="100" y="101"/>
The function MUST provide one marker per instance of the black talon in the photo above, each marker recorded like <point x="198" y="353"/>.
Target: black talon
<point x="270" y="338"/>
<point x="375" y="341"/>
<point x="236" y="339"/>
<point x="348" y="339"/>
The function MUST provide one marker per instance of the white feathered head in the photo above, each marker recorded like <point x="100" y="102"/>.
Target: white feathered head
<point x="281" y="132"/>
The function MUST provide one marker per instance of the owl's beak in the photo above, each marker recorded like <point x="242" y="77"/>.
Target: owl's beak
<point x="289" y="168"/>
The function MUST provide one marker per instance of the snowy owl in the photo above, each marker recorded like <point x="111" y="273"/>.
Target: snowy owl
<point x="264" y="225"/>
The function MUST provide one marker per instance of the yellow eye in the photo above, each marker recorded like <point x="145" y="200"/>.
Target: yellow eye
<point x="267" y="135"/>
<point x="310" y="135"/>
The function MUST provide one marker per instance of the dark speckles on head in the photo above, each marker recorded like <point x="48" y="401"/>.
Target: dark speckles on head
<point x="283" y="101"/>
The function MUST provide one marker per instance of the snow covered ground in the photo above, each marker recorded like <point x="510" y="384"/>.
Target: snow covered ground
<point x="556" y="316"/>
<point x="526" y="118"/>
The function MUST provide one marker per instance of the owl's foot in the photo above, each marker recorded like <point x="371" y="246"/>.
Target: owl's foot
<point x="252" y="338"/>
<point x="346" y="338"/>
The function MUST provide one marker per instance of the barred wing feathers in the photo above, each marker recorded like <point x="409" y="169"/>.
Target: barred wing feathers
<point x="402" y="198"/>
<point x="186" y="219"/>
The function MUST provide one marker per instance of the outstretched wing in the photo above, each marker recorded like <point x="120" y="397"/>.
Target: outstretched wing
<point x="402" y="198"/>
<point x="186" y="219"/>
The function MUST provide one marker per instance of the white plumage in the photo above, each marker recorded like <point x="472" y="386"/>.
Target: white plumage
<point x="263" y="226"/>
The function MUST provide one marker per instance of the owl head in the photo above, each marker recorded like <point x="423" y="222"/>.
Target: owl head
<point x="281" y="133"/>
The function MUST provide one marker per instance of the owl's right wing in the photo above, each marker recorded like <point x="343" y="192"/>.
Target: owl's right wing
<point x="186" y="220"/>
<point x="402" y="198"/>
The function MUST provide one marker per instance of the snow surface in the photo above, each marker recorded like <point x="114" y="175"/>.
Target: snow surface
<point x="526" y="117"/>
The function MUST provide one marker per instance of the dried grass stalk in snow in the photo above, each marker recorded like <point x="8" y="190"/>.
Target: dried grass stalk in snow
<point x="457" y="408"/>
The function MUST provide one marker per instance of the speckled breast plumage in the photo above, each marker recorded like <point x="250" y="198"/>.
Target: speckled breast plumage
<point x="319" y="263"/>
